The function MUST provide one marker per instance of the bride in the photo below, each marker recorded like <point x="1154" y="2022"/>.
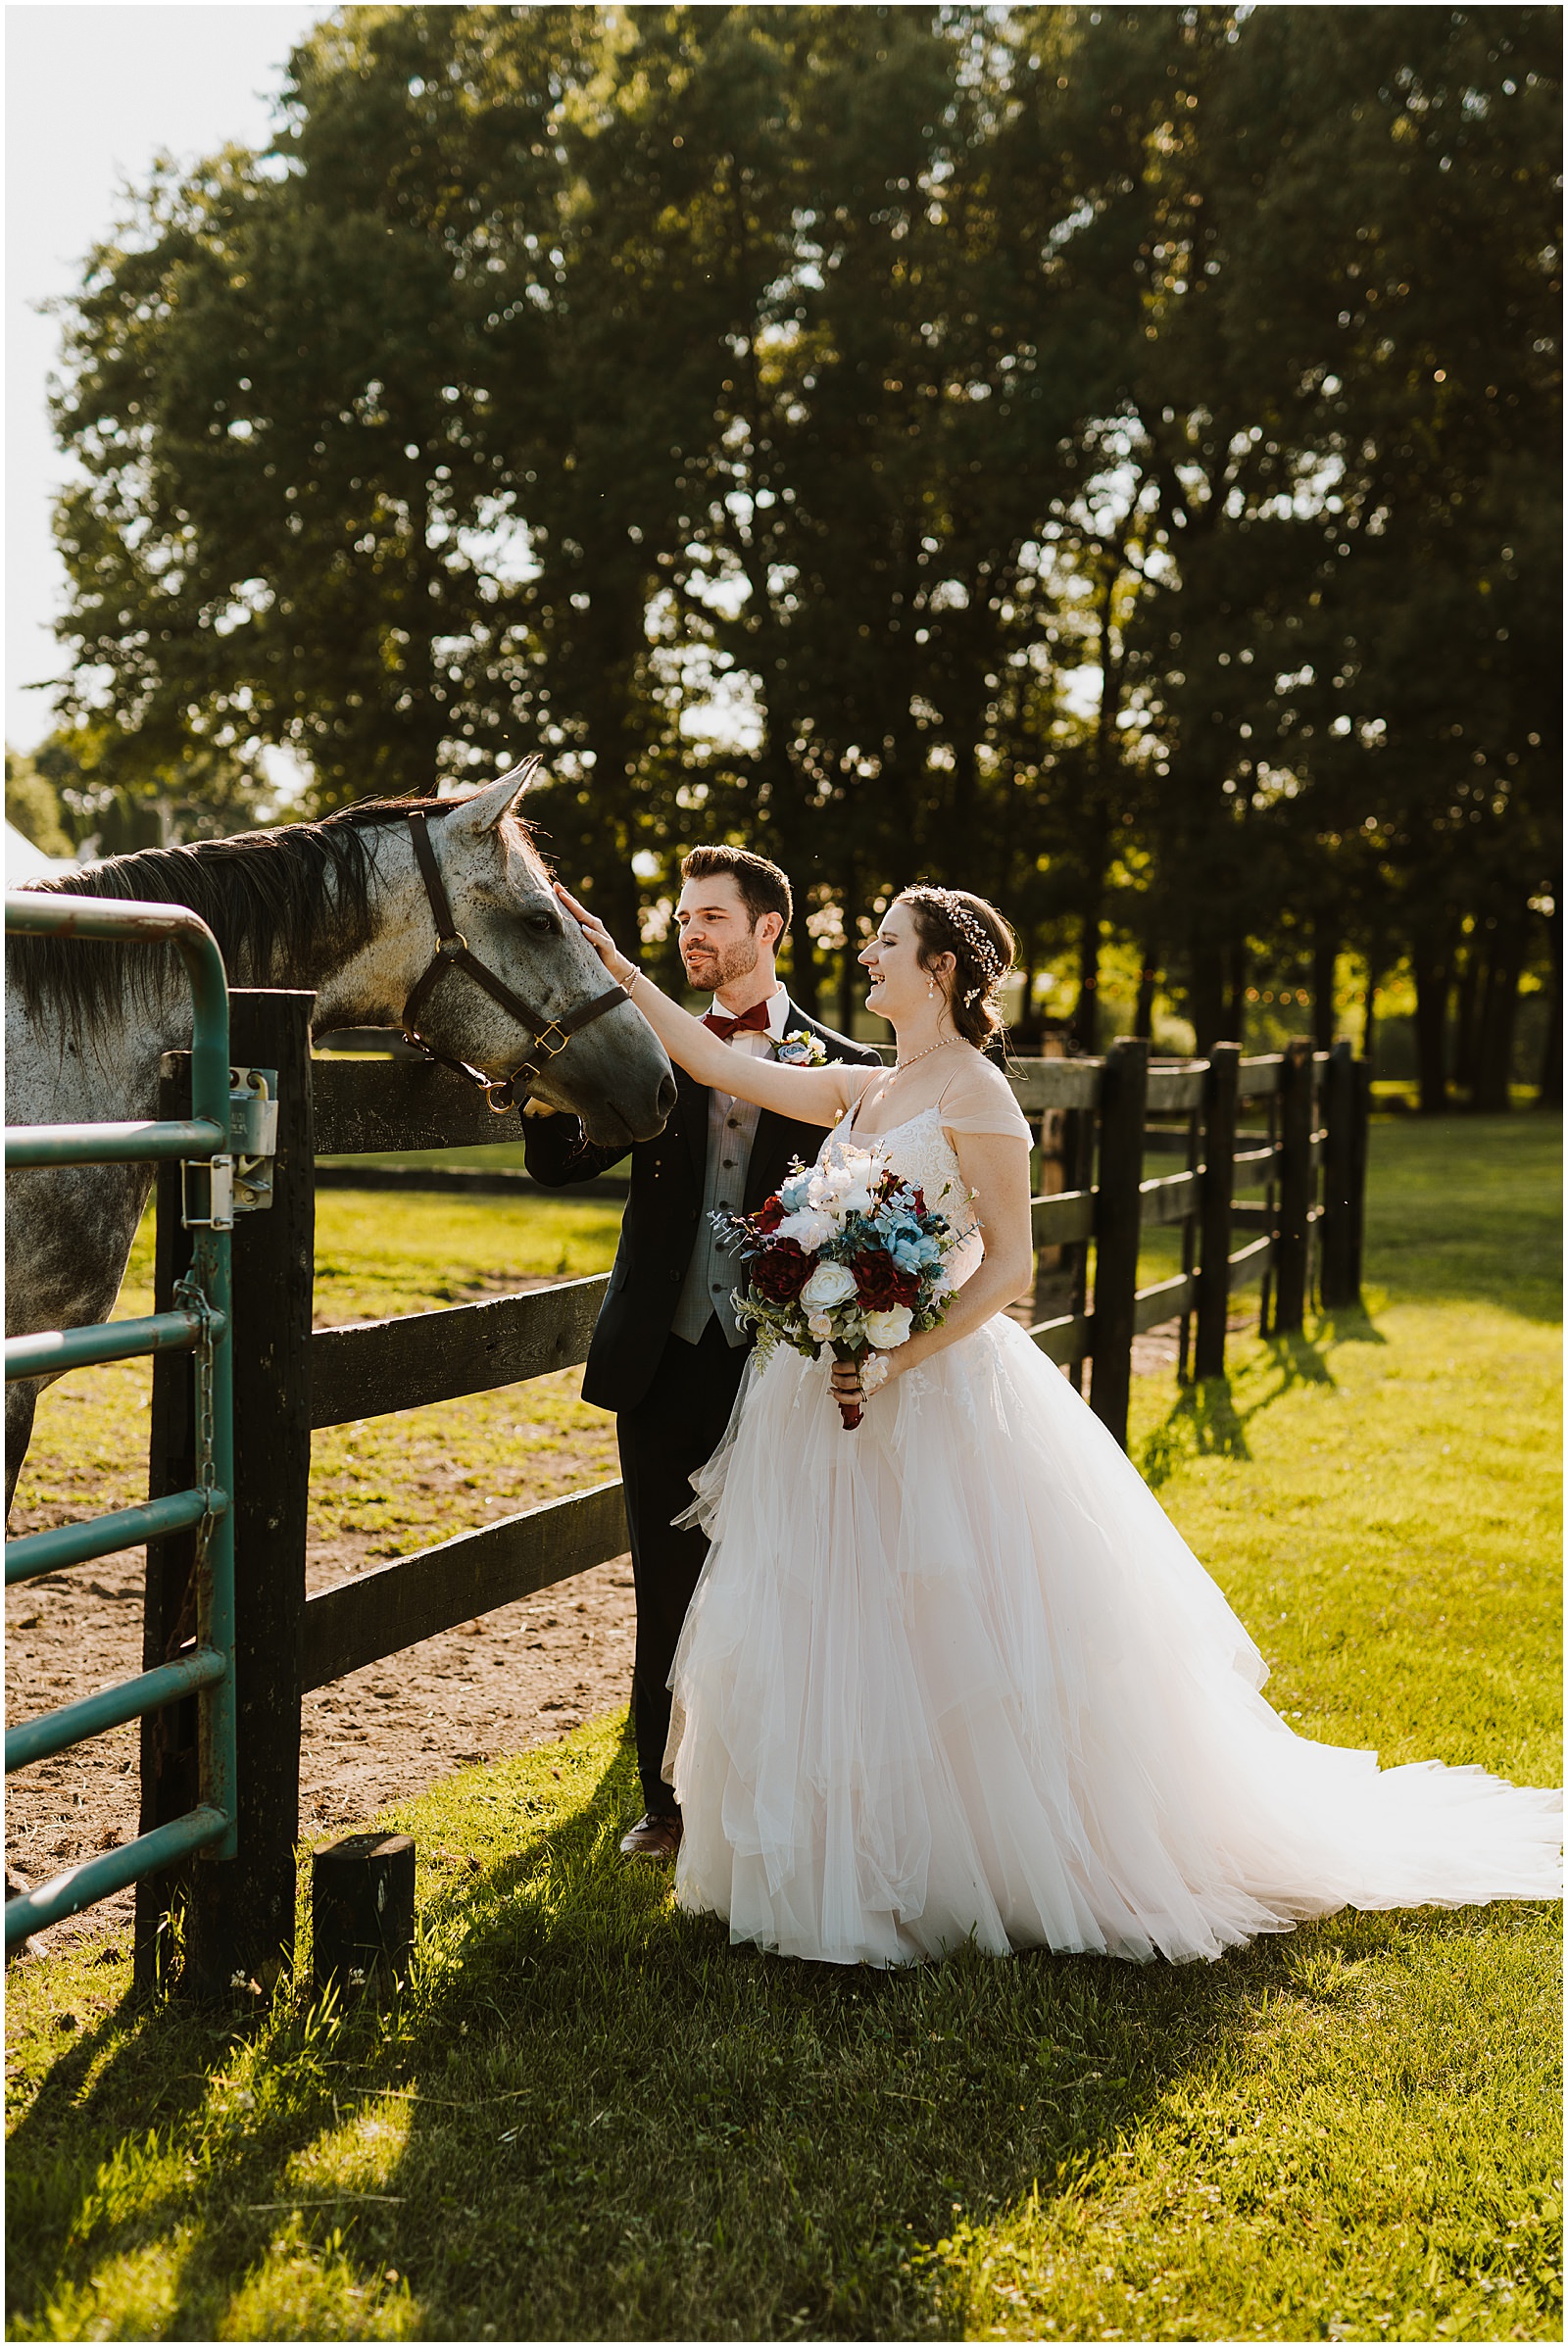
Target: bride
<point x="955" y="1676"/>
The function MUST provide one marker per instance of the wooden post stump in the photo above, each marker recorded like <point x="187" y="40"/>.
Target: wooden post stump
<point x="362" y="1907"/>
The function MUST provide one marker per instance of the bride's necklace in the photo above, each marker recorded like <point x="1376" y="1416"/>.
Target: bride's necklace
<point x="899" y="1065"/>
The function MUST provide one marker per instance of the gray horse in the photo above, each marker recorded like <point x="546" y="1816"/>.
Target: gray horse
<point x="339" y="907"/>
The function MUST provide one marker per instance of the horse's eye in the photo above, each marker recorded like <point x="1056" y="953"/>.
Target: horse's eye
<point x="542" y="924"/>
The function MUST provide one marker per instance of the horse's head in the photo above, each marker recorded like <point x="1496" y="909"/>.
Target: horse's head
<point x="612" y="1072"/>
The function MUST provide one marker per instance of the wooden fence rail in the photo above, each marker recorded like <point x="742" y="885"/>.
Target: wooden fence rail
<point x="1291" y="1124"/>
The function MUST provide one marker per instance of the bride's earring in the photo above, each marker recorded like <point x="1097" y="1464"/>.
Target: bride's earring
<point x="930" y="988"/>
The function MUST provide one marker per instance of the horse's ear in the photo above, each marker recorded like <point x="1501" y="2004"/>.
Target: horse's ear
<point x="488" y="808"/>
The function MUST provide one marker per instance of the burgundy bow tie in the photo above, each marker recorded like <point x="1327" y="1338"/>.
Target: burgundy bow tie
<point x="753" y="1021"/>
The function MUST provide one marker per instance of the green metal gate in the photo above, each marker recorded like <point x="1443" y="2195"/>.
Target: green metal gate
<point x="200" y="1324"/>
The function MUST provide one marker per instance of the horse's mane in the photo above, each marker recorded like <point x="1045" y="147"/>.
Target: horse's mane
<point x="285" y="905"/>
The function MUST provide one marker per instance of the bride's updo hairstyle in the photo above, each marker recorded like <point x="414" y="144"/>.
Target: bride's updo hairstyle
<point x="950" y="921"/>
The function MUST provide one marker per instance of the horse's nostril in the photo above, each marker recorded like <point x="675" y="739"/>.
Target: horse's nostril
<point x="667" y="1095"/>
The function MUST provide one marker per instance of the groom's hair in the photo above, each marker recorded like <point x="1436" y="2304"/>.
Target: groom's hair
<point x="763" y="886"/>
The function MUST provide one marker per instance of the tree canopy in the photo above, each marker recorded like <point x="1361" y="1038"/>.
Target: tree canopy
<point x="1104" y="456"/>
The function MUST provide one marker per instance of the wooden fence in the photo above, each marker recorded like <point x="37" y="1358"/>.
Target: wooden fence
<point x="1291" y="1127"/>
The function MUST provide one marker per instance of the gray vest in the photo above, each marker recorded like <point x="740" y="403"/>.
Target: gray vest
<point x="712" y="1270"/>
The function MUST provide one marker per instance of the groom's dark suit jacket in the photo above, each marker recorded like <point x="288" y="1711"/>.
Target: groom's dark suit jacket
<point x="665" y="1200"/>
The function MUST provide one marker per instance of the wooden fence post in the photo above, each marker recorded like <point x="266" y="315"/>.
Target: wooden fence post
<point x="1296" y="1186"/>
<point x="1214" y="1245"/>
<point x="242" y="1912"/>
<point x="1335" y="1280"/>
<point x="1123" y="1109"/>
<point x="1360" y="1135"/>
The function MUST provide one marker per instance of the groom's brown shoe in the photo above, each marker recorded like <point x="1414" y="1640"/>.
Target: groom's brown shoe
<point x="652" y="1837"/>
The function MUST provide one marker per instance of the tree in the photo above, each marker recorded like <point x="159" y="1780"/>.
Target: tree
<point x="1105" y="456"/>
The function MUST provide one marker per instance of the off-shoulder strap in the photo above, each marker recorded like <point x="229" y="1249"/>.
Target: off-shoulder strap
<point x="1016" y="1126"/>
<point x="976" y="1103"/>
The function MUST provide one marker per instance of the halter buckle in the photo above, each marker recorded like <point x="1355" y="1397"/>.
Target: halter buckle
<point x="542" y="1043"/>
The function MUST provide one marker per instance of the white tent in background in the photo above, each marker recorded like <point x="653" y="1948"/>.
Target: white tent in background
<point x="24" y="861"/>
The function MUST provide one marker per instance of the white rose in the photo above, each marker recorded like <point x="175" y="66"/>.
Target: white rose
<point x="819" y="1325"/>
<point x="856" y="1200"/>
<point x="830" y="1284"/>
<point x="808" y="1229"/>
<point x="887" y="1329"/>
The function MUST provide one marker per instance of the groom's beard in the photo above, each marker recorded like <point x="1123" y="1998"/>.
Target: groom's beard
<point x="711" y="968"/>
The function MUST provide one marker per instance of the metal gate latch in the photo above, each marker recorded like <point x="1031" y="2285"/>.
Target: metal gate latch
<point x="253" y="1135"/>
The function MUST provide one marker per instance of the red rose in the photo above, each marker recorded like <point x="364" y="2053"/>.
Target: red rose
<point x="780" y="1272"/>
<point x="768" y="1218"/>
<point x="879" y="1283"/>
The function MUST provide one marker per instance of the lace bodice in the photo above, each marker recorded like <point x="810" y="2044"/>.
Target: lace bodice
<point x="920" y="1151"/>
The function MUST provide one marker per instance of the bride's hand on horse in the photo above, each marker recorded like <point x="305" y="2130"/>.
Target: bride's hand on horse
<point x="599" y="937"/>
<point x="813" y="1096"/>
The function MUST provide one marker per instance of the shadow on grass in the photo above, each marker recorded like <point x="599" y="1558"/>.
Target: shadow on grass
<point x="621" y="2128"/>
<point x="1207" y="1420"/>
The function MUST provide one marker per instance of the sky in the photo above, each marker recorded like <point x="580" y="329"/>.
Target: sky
<point x="93" y="95"/>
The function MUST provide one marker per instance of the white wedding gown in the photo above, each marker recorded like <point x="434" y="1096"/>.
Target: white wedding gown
<point x="955" y="1676"/>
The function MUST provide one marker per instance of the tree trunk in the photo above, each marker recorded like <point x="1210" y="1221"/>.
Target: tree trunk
<point x="1370" y="1010"/>
<point x="1495" y="1058"/>
<point x="1147" y="980"/>
<point x="1086" y="1010"/>
<point x="1431" y="974"/>
<point x="804" y="988"/>
<point x="1030" y="961"/>
<point x="1206" y="997"/>
<point x="1325" y="958"/>
<point x="1235" y="998"/>
<point x="850" y="969"/>
<point x="1550" y="1095"/>
<point x="1466" y="1025"/>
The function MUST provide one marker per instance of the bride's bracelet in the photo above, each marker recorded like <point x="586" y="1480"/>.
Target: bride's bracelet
<point x="875" y="1370"/>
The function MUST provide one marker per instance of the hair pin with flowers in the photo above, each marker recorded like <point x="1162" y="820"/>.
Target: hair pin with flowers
<point x="981" y="945"/>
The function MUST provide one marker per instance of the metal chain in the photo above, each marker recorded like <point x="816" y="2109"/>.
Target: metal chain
<point x="190" y="1296"/>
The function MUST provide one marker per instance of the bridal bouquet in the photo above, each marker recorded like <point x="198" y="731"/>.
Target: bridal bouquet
<point x="847" y="1256"/>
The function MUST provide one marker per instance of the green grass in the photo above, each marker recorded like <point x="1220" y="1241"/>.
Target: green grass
<point x="587" y="2117"/>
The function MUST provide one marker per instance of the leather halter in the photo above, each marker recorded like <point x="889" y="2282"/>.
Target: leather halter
<point x="549" y="1035"/>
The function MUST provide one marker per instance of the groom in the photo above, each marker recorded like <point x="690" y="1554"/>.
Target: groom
<point x="668" y="1354"/>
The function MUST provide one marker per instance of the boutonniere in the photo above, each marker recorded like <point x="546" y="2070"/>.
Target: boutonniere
<point x="801" y="1050"/>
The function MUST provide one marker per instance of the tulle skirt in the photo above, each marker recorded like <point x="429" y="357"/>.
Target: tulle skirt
<point x="955" y="1677"/>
